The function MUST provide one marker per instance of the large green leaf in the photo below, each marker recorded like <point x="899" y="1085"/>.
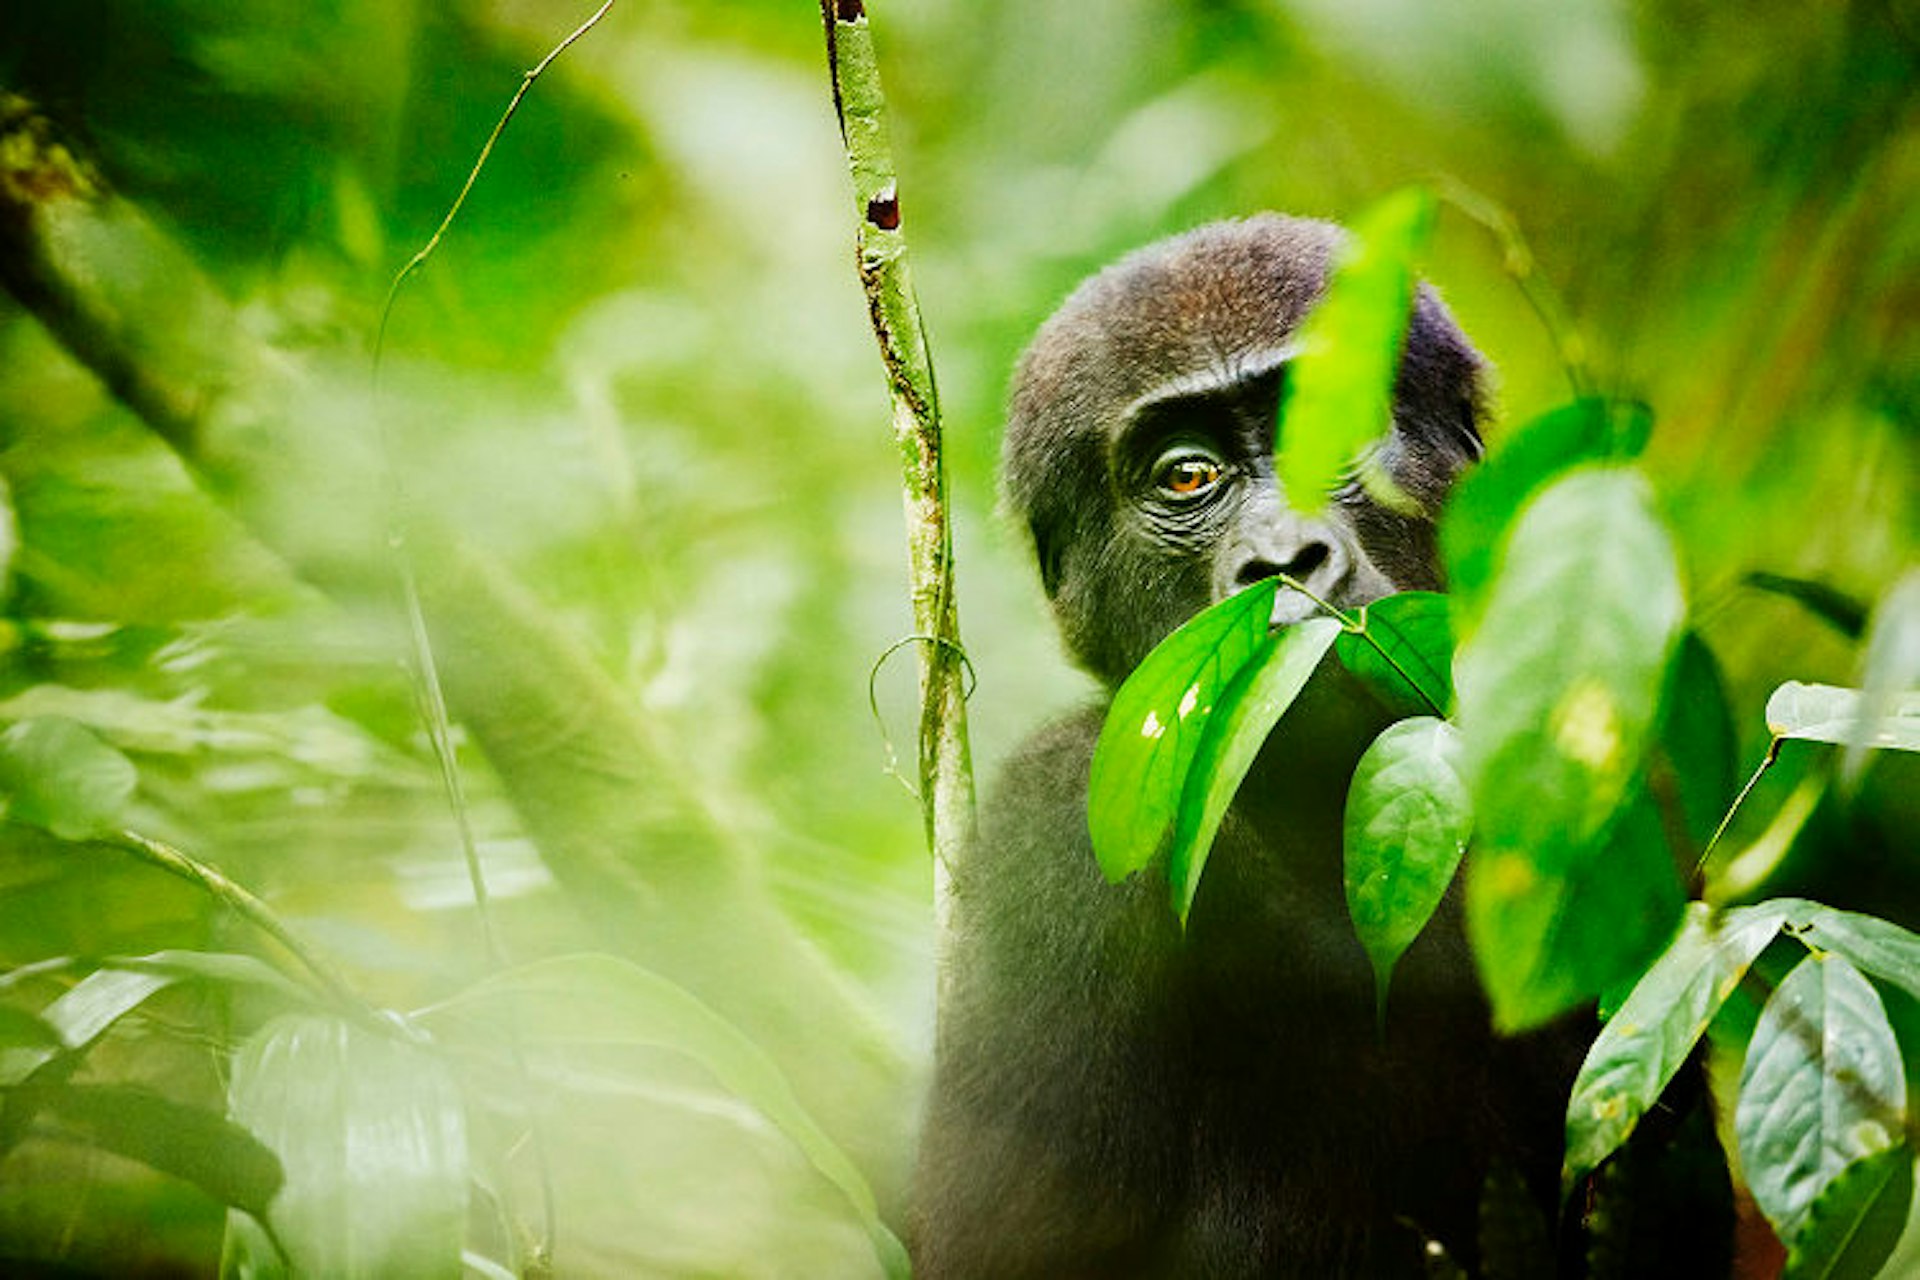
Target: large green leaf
<point x="371" y="1134"/>
<point x="1339" y="388"/>
<point x="1824" y="713"/>
<point x="586" y="1000"/>
<point x="1822" y="1088"/>
<point x="1547" y="940"/>
<point x="1244" y="715"/>
<point x="1560" y="686"/>
<point x="1647" y="1040"/>
<point x="1154" y="727"/>
<point x="1403" y="652"/>
<point x="1407" y="823"/>
<point x="1878" y="946"/>
<point x="201" y="1147"/>
<point x="57" y="775"/>
<point x="1852" y="1228"/>
<point x="1488" y="497"/>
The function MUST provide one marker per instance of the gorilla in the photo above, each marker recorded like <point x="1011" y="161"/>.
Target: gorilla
<point x="1112" y="1097"/>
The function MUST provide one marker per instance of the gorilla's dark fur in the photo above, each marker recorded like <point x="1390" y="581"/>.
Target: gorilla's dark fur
<point x="1112" y="1098"/>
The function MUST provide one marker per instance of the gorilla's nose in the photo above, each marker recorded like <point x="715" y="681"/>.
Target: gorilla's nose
<point x="1302" y="550"/>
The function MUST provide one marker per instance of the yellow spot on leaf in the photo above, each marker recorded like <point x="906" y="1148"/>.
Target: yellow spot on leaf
<point x="1586" y="727"/>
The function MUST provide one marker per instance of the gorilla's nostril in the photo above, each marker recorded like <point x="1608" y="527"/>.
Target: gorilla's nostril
<point x="1309" y="558"/>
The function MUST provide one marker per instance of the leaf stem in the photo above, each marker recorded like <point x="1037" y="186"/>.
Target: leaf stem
<point x="1356" y="624"/>
<point x="1766" y="762"/>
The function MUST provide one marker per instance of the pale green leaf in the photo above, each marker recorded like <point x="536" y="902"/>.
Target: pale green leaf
<point x="57" y="775"/>
<point x="1825" y="713"/>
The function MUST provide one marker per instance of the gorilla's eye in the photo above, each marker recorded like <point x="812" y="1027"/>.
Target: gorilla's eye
<point x="1186" y="472"/>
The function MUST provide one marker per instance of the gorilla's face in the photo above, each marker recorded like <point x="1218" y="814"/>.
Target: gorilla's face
<point x="1140" y="445"/>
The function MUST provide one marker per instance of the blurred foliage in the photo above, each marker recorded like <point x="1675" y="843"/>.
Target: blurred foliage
<point x="638" y="374"/>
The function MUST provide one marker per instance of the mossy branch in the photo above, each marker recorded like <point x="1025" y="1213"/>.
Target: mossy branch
<point x="946" y="768"/>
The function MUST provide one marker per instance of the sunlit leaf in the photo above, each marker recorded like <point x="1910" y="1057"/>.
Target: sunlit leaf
<point x="1414" y="677"/>
<point x="1852" y="1228"/>
<point x="371" y="1135"/>
<point x="1546" y="940"/>
<point x="1643" y="1045"/>
<point x="82" y="1015"/>
<point x="1825" y="713"/>
<point x="1230" y="739"/>
<point x="1154" y="727"/>
<point x="585" y="1000"/>
<point x="1407" y="823"/>
<point x="199" y="1146"/>
<point x="1560" y="686"/>
<point x="1490" y="496"/>
<point x="57" y="775"/>
<point x="1822" y="1088"/>
<point x="1892" y="664"/>
<point x="1339" y="388"/>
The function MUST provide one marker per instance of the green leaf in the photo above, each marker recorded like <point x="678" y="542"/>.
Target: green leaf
<point x="1547" y="940"/>
<point x="57" y="775"/>
<point x="1851" y="1230"/>
<point x="1825" y="713"/>
<point x="1892" y="664"/>
<point x="1230" y="739"/>
<point x="370" y="1132"/>
<point x="1338" y="396"/>
<point x="1698" y="740"/>
<point x="22" y="1030"/>
<point x="81" y="1016"/>
<point x="1560" y="686"/>
<point x="1414" y="676"/>
<point x="1644" y="1044"/>
<point x="588" y="1000"/>
<point x="1822" y="1088"/>
<point x="1831" y="605"/>
<point x="1880" y="947"/>
<point x="198" y="1146"/>
<point x="1407" y="823"/>
<point x="1490" y="495"/>
<point x="1154" y="727"/>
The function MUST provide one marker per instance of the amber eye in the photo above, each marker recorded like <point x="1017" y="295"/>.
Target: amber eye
<point x="1186" y="474"/>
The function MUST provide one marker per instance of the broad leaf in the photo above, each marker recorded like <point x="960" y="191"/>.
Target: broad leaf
<point x="1822" y="1088"/>
<point x="602" y="1000"/>
<point x="371" y="1135"/>
<point x="1560" y="686"/>
<point x="1892" y="664"/>
<point x="200" y="1147"/>
<point x="1154" y="727"/>
<point x="1824" y="713"/>
<point x="1407" y="823"/>
<point x="81" y="1016"/>
<point x="1546" y="939"/>
<point x="57" y="775"/>
<point x="1489" y="496"/>
<point x="1338" y="396"/>
<point x="1851" y="1230"/>
<point x="1404" y="652"/>
<point x="1644" y="1044"/>
<point x="1244" y="716"/>
<point x="1878" y="946"/>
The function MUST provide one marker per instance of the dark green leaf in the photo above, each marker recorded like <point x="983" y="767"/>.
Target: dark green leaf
<point x="1546" y="940"/>
<point x="1230" y="739"/>
<point x="370" y="1132"/>
<point x="1851" y="1230"/>
<point x="590" y="1000"/>
<point x="59" y="776"/>
<point x="1514" y="1241"/>
<point x="1414" y="676"/>
<point x="1697" y="741"/>
<point x="1407" y="823"/>
<point x="203" y="1148"/>
<point x="1154" y="727"/>
<point x="1829" y="604"/>
<point x="1560" y="686"/>
<point x="1822" y="1088"/>
<point x="1647" y="1040"/>
<point x="1339" y="388"/>
<point x="1488" y="498"/>
<point x="1824" y="713"/>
